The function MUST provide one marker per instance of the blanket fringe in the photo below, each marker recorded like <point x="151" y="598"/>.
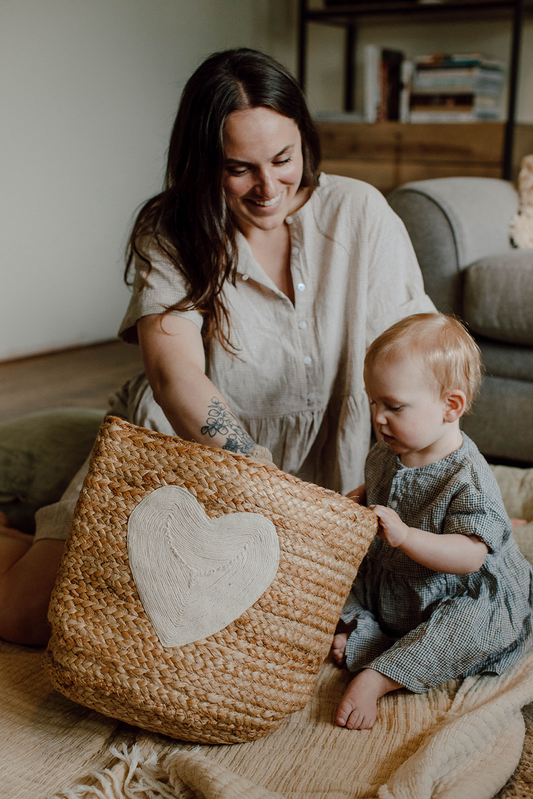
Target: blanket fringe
<point x="176" y="775"/>
<point x="135" y="776"/>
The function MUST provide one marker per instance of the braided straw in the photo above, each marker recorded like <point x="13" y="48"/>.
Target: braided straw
<point x="239" y="683"/>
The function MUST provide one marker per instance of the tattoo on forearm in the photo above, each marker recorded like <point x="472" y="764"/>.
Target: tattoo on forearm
<point x="221" y="419"/>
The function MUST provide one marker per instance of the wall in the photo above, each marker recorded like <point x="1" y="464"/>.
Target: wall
<point x="89" y="92"/>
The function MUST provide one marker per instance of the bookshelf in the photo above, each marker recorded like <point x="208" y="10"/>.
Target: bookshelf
<point x="349" y="14"/>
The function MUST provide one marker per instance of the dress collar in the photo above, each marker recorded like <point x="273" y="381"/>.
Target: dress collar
<point x="247" y="265"/>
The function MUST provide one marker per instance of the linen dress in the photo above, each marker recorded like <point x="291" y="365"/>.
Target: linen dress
<point x="422" y="627"/>
<point x="297" y="383"/>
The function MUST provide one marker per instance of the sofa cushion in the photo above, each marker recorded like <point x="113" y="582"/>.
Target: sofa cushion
<point x="501" y="359"/>
<point x="498" y="297"/>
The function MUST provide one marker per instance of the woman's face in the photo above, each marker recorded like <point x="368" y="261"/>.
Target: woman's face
<point x="263" y="167"/>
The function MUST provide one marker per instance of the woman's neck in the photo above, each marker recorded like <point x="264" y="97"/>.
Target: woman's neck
<point x="272" y="248"/>
<point x="272" y="251"/>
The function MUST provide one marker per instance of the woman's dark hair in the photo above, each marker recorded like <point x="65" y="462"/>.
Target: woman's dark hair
<point x="189" y="222"/>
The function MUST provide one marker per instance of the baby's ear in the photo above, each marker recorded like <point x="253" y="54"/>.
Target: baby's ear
<point x="454" y="405"/>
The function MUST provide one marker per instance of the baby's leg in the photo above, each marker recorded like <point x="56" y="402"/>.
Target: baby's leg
<point x="358" y="707"/>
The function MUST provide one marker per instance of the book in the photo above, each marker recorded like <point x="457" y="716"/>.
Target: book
<point x="391" y="65"/>
<point x="461" y="60"/>
<point x="471" y="79"/>
<point x="372" y="82"/>
<point x="451" y="101"/>
<point x="382" y="82"/>
<point x="453" y="116"/>
<point x="405" y="92"/>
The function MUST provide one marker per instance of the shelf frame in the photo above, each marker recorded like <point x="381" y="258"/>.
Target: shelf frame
<point x="348" y="16"/>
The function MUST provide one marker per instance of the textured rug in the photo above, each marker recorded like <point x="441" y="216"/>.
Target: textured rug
<point x="467" y="740"/>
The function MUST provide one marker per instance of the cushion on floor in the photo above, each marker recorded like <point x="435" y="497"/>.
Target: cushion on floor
<point x="39" y="455"/>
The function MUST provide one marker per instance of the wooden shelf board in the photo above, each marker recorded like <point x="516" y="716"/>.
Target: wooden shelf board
<point x="386" y="11"/>
<point x="388" y="154"/>
<point x="446" y="141"/>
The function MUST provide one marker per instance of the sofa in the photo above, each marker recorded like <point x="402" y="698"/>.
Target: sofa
<point x="460" y="232"/>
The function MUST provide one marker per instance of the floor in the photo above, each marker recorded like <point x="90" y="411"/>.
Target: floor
<point x="83" y="377"/>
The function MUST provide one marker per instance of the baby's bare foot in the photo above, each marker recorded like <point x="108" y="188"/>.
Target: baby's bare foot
<point x="358" y="707"/>
<point x="338" y="648"/>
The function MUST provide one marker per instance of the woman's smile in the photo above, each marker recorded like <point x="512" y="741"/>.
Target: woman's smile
<point x="263" y="168"/>
<point x="267" y="203"/>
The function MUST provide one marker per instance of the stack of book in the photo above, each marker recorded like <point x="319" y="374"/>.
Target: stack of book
<point x="455" y="88"/>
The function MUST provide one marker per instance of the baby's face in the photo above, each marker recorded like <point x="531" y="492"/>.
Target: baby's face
<point x="407" y="410"/>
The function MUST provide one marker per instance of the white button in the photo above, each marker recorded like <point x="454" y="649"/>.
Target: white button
<point x="394" y="504"/>
<point x="295" y="250"/>
<point x="245" y="277"/>
<point x="301" y="286"/>
<point x="310" y="397"/>
<point x="302" y="325"/>
<point x="307" y="360"/>
<point x="288" y="220"/>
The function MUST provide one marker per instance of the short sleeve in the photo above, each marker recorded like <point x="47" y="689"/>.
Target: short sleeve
<point x="473" y="511"/>
<point x="395" y="285"/>
<point x="155" y="290"/>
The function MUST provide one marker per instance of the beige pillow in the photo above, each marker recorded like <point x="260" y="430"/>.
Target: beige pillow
<point x="521" y="229"/>
<point x="516" y="486"/>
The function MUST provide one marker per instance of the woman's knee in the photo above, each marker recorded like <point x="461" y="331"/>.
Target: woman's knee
<point x="25" y="591"/>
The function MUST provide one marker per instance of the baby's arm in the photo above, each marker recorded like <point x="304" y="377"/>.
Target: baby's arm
<point x="452" y="554"/>
<point x="358" y="495"/>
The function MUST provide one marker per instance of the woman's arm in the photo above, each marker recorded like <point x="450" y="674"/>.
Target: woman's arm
<point x="449" y="553"/>
<point x="174" y="359"/>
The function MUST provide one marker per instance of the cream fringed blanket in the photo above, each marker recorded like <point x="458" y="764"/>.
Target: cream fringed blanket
<point x="459" y="741"/>
<point x="456" y="742"/>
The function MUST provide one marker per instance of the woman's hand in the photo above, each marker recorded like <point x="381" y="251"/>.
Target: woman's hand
<point x="358" y="495"/>
<point x="391" y="528"/>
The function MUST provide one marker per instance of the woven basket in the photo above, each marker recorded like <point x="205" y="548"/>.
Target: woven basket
<point x="239" y="683"/>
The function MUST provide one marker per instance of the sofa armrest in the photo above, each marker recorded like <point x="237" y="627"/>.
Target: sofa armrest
<point x="453" y="222"/>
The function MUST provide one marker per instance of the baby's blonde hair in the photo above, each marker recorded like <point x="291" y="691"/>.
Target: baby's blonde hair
<point x="445" y="346"/>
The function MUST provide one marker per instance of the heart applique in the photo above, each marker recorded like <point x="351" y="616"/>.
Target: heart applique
<point x="195" y="575"/>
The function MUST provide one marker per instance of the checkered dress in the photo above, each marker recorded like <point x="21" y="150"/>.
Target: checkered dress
<point x="422" y="627"/>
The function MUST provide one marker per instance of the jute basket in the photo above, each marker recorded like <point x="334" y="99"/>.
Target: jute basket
<point x="240" y="682"/>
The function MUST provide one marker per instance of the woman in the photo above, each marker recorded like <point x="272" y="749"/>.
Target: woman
<point x="258" y="287"/>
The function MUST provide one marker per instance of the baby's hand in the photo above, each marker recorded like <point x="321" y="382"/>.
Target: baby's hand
<point x="391" y="528"/>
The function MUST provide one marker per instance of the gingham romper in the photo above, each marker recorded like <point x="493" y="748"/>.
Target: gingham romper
<point x="421" y="627"/>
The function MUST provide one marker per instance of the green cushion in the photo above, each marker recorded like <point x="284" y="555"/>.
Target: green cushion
<point x="39" y="455"/>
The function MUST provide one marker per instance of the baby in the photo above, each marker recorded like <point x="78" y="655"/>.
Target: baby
<point x="443" y="591"/>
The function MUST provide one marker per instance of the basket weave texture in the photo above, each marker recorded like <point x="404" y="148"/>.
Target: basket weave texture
<point x="239" y="683"/>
